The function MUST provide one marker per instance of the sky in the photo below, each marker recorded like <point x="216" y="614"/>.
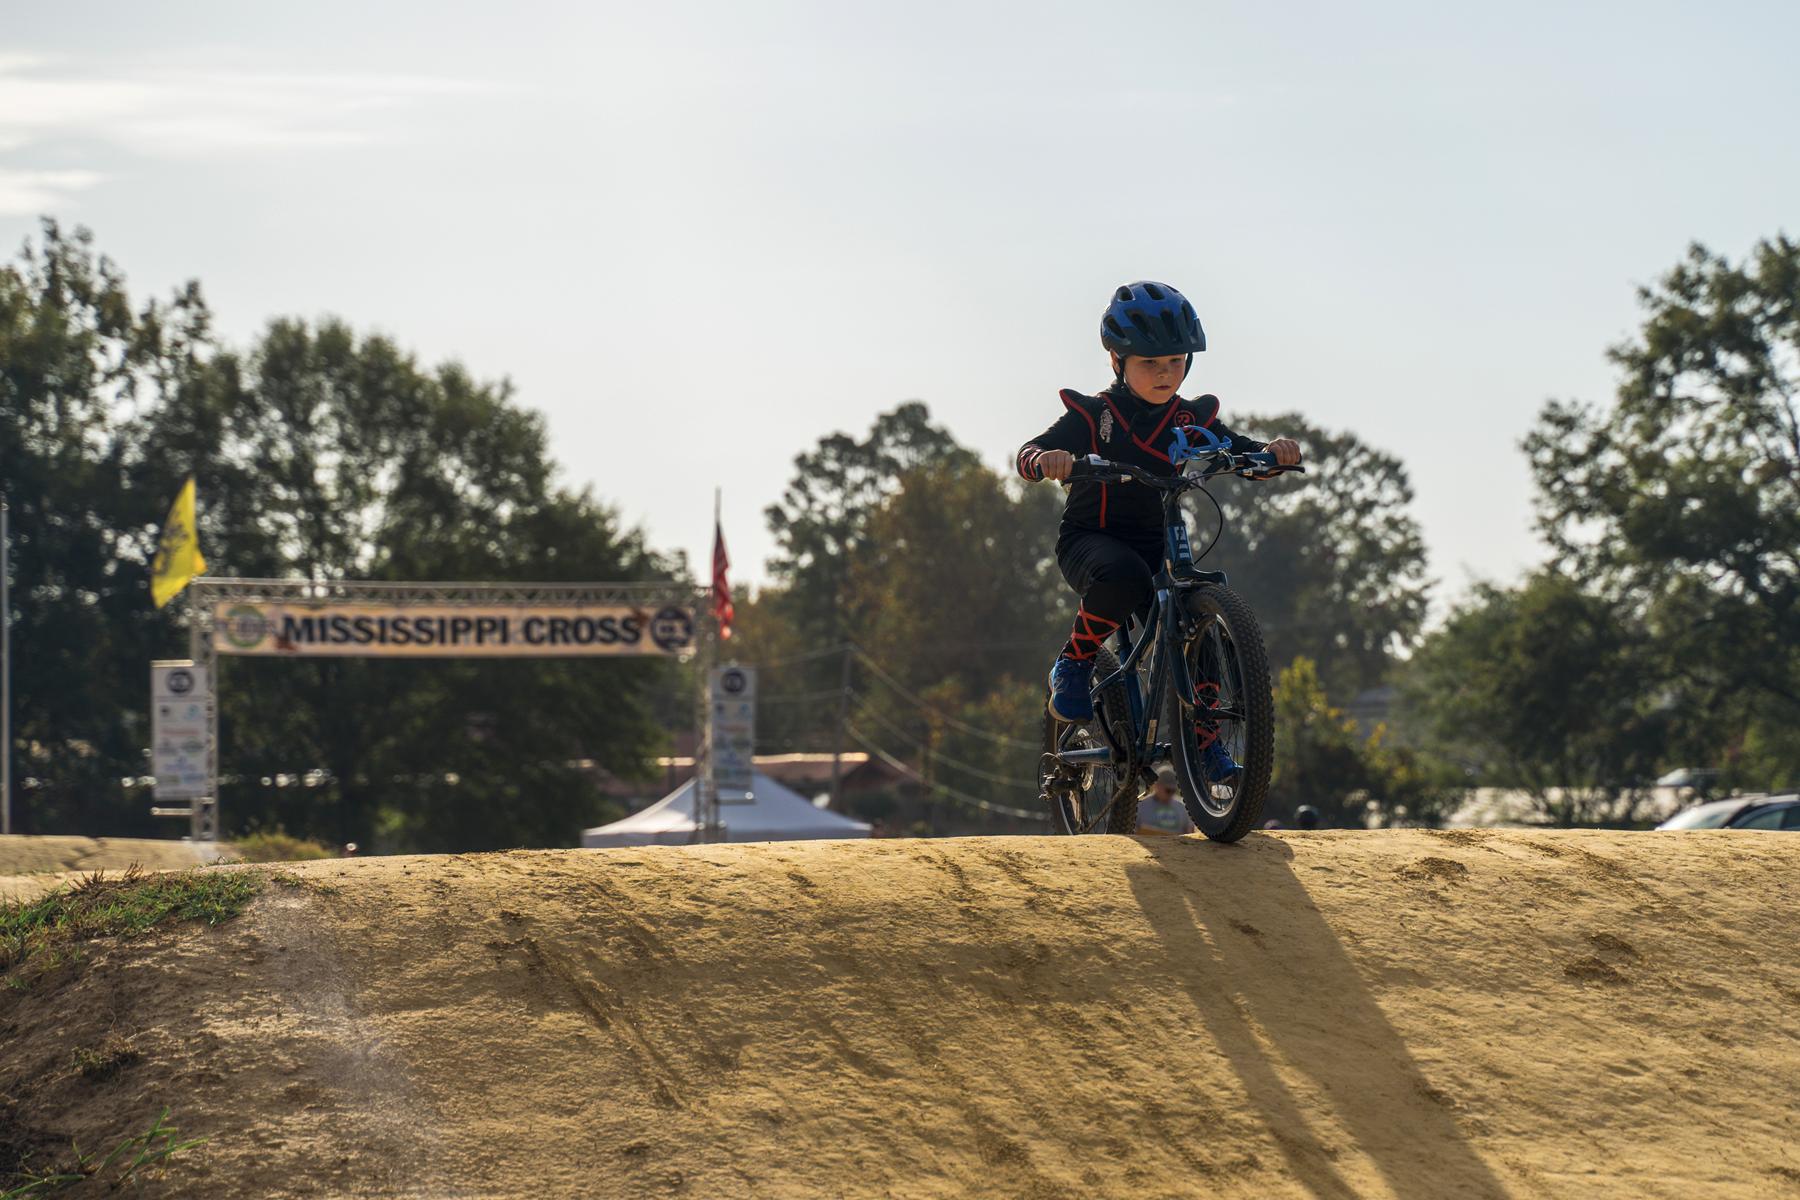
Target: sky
<point x="700" y="236"/>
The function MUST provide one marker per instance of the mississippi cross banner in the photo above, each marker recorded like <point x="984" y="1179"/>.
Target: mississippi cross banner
<point x="450" y="631"/>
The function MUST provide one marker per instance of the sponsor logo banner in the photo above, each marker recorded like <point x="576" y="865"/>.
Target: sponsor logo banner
<point x="450" y="631"/>
<point x="179" y="730"/>
<point x="732" y="734"/>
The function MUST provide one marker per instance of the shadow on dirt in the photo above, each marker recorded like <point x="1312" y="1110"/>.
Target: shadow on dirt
<point x="1274" y="987"/>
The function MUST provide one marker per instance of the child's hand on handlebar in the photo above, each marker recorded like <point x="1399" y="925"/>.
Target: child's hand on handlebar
<point x="1286" y="451"/>
<point x="1056" y="464"/>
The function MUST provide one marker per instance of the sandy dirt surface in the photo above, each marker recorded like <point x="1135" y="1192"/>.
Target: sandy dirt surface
<point x="1407" y="1014"/>
<point x="30" y="866"/>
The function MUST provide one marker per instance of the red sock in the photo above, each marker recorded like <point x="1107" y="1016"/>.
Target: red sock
<point x="1089" y="634"/>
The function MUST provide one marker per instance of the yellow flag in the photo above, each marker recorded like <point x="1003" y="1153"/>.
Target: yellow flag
<point x="178" y="550"/>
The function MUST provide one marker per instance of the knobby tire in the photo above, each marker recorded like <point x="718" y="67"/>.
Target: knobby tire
<point x="1219" y="820"/>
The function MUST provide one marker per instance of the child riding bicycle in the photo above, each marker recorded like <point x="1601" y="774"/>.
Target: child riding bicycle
<point x="1111" y="539"/>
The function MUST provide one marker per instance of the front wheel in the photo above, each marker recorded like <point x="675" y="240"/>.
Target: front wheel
<point x="1232" y="708"/>
<point x="1093" y="797"/>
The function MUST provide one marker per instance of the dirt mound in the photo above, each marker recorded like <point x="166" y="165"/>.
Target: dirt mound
<point x="32" y="865"/>
<point x="1318" y="1015"/>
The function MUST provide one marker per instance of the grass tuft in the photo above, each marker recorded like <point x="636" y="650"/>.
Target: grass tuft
<point x="151" y="1150"/>
<point x="304" y="883"/>
<point x="277" y="845"/>
<point x="49" y="930"/>
<point x="112" y="1055"/>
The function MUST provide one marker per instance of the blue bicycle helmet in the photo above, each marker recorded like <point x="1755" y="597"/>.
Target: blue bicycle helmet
<point x="1151" y="320"/>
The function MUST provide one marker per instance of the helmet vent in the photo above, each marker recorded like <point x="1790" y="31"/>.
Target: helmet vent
<point x="1151" y="319"/>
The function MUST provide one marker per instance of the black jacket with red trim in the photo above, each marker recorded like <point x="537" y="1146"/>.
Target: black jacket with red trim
<point x="1117" y="425"/>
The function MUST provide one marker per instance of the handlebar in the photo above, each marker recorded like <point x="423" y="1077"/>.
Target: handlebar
<point x="1221" y="462"/>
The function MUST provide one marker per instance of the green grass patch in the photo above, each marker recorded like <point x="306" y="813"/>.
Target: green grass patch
<point x="50" y="930"/>
<point x="279" y="846"/>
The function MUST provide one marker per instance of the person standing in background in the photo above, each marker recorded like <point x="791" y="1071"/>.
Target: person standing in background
<point x="1161" y="810"/>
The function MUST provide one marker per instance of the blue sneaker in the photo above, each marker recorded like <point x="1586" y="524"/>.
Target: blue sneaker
<point x="1220" y="770"/>
<point x="1070" y="680"/>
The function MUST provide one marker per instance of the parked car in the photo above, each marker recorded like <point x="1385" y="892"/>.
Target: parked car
<point x="1740" y="812"/>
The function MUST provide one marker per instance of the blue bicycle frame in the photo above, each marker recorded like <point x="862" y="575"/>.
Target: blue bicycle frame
<point x="1165" y="627"/>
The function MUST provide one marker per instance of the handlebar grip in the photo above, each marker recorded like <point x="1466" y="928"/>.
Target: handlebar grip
<point x="1092" y="466"/>
<point x="1266" y="463"/>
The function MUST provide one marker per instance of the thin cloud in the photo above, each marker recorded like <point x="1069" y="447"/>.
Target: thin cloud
<point x="26" y="192"/>
<point x="161" y="112"/>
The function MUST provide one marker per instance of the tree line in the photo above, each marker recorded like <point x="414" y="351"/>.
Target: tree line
<point x="1660" y="632"/>
<point x="914" y="604"/>
<point x="319" y="454"/>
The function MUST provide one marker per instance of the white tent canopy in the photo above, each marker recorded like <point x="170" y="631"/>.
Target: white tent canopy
<point x="773" y="814"/>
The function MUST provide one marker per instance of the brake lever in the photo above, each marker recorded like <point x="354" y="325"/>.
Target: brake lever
<point x="1095" y="462"/>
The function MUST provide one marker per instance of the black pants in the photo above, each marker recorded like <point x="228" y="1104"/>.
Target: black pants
<point x="1111" y="575"/>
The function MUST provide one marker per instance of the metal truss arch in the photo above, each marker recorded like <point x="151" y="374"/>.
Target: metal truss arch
<point x="207" y="593"/>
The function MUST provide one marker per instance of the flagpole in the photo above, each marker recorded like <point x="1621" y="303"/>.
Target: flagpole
<point x="5" y="671"/>
<point x="706" y="791"/>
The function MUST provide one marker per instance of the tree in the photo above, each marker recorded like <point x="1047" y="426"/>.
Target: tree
<point x="942" y="574"/>
<point x="797" y="626"/>
<point x="957" y="593"/>
<point x="1680" y="502"/>
<point x="1332" y="561"/>
<point x="318" y="455"/>
<point x="1319" y="757"/>
<point x="328" y="456"/>
<point x="957" y="579"/>
<point x="1323" y="759"/>
<point x="76" y="360"/>
<point x="820" y="522"/>
<point x="1549" y="689"/>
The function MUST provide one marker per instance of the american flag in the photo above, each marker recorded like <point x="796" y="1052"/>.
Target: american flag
<point x="721" y="583"/>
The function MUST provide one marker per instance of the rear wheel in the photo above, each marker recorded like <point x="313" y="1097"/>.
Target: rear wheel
<point x="1232" y="707"/>
<point x="1090" y="797"/>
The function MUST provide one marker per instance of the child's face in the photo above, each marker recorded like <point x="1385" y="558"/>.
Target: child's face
<point x="1154" y="380"/>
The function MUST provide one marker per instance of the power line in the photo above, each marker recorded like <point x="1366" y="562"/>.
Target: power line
<point x="967" y="645"/>
<point x="940" y="757"/>
<point x="805" y="656"/>
<point x="799" y="697"/>
<point x="937" y="709"/>
<point x="940" y="789"/>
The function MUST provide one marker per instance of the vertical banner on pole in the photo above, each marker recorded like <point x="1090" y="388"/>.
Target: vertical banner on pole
<point x="180" y="729"/>
<point x="203" y="822"/>
<point x="731" y="734"/>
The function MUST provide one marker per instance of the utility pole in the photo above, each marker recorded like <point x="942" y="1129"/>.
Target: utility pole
<point x="843" y="720"/>
<point x="5" y="671"/>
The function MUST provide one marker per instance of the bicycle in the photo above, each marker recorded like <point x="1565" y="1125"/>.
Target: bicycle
<point x="1208" y="679"/>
